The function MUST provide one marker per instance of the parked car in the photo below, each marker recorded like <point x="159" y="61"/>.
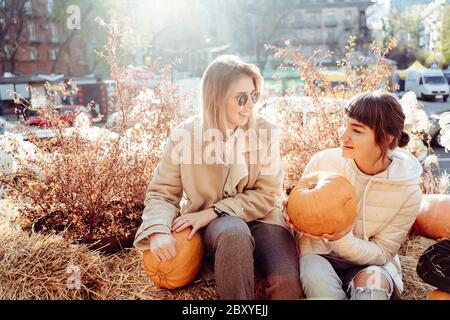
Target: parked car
<point x="427" y="83"/>
<point x="447" y="75"/>
<point x="67" y="113"/>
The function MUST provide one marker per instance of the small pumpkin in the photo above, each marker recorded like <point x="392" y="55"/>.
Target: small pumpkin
<point x="438" y="295"/>
<point x="322" y="202"/>
<point x="433" y="220"/>
<point x="179" y="271"/>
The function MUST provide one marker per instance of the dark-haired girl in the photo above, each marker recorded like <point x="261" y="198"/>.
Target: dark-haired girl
<point x="362" y="263"/>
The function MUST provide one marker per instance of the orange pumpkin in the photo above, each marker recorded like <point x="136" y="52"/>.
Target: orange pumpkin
<point x="182" y="269"/>
<point x="438" y="295"/>
<point x="322" y="202"/>
<point x="433" y="220"/>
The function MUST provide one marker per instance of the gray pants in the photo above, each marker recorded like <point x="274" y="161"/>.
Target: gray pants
<point x="330" y="277"/>
<point x="234" y="248"/>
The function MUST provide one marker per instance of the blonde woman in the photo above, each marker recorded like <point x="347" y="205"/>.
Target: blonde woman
<point x="224" y="167"/>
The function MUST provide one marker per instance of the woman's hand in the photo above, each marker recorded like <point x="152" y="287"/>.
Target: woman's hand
<point x="196" y="220"/>
<point x="163" y="246"/>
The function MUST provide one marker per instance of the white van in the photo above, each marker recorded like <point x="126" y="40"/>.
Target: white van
<point x="427" y="83"/>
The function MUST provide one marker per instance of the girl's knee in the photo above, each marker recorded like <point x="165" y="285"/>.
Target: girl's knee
<point x="371" y="283"/>
<point x="318" y="278"/>
<point x="369" y="293"/>
<point x="311" y="260"/>
<point x="371" y="278"/>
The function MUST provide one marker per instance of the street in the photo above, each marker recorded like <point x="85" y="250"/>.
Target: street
<point x="444" y="159"/>
<point x="436" y="106"/>
<point x="439" y="106"/>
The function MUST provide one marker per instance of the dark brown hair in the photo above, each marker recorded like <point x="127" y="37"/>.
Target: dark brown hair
<point x="381" y="112"/>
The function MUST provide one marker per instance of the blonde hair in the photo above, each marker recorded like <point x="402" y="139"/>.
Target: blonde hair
<point x="216" y="82"/>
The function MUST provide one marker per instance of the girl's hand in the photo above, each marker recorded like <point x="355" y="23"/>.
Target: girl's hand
<point x="162" y="246"/>
<point x="286" y="218"/>
<point x="197" y="220"/>
<point x="329" y="236"/>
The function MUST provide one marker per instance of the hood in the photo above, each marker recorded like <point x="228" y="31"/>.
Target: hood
<point x="404" y="169"/>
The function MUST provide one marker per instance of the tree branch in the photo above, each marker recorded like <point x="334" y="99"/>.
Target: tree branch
<point x="20" y="7"/>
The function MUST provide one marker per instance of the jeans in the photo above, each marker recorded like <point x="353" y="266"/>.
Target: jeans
<point x="329" y="277"/>
<point x="233" y="248"/>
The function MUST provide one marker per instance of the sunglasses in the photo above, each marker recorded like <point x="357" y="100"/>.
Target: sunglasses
<point x="243" y="98"/>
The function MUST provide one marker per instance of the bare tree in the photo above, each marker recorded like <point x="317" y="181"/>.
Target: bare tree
<point x="85" y="13"/>
<point x="258" y="24"/>
<point x="12" y="26"/>
<point x="405" y="26"/>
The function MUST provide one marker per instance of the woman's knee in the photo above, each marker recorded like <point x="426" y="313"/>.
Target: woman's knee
<point x="275" y="250"/>
<point x="280" y="287"/>
<point x="229" y="231"/>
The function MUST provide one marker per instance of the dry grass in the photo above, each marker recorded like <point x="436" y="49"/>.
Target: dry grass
<point x="415" y="246"/>
<point x="35" y="266"/>
<point x="414" y="287"/>
<point x="41" y="267"/>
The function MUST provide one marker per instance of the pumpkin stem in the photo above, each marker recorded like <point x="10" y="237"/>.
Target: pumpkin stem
<point x="311" y="185"/>
<point x="161" y="276"/>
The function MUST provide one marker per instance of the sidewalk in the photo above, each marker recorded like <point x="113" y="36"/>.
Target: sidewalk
<point x="9" y="117"/>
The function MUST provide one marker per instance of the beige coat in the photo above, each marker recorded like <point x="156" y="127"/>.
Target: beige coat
<point x="387" y="207"/>
<point x="244" y="189"/>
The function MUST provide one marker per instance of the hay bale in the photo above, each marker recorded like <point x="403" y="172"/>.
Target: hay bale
<point x="410" y="251"/>
<point x="47" y="267"/>
<point x="123" y="277"/>
<point x="126" y="279"/>
<point x="36" y="266"/>
<point x="415" y="245"/>
<point x="414" y="287"/>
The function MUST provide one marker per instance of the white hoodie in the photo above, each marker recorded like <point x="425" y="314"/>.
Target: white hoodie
<point x="387" y="207"/>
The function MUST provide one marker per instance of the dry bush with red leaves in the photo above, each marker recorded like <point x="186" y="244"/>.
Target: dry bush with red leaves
<point x="88" y="182"/>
